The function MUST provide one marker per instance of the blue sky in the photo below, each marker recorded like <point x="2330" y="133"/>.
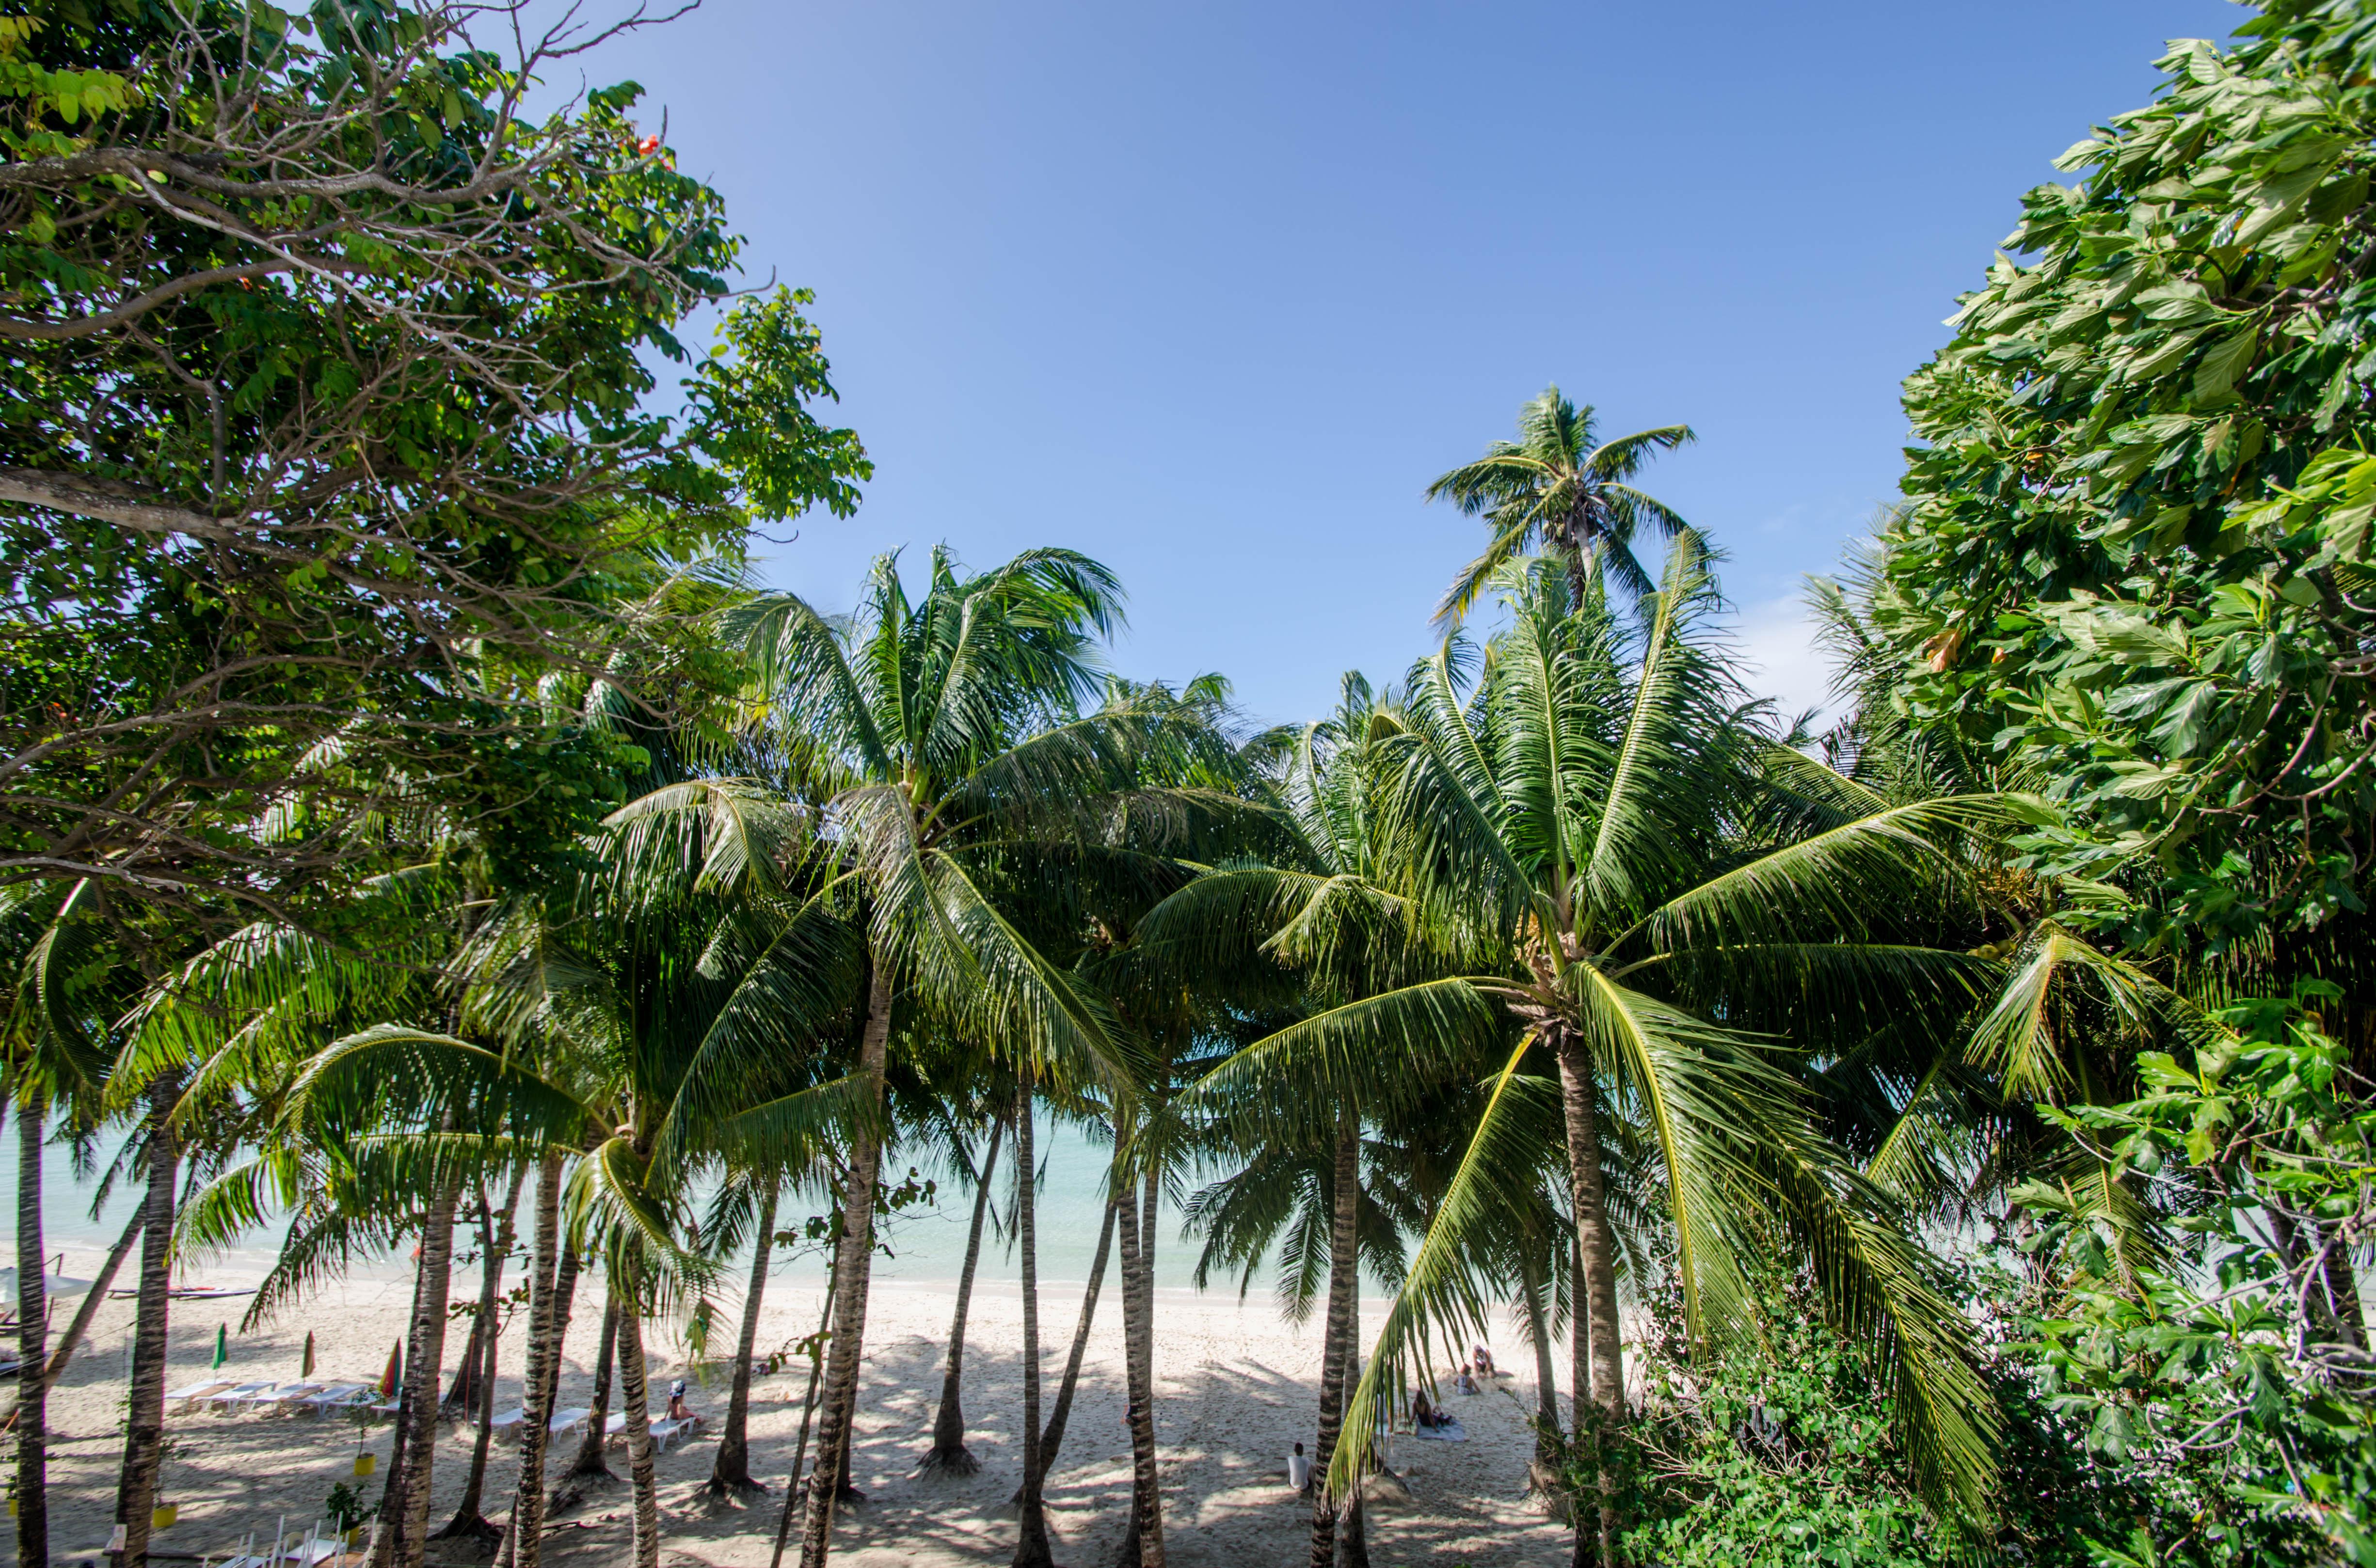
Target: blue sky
<point x="1211" y="292"/>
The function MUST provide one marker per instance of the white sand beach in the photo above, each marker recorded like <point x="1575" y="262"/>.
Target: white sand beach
<point x="1237" y="1388"/>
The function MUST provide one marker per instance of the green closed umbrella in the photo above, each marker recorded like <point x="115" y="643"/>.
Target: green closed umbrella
<point x="222" y="1342"/>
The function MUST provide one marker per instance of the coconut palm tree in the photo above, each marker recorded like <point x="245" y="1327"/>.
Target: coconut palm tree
<point x="65" y="989"/>
<point x="1578" y="798"/>
<point x="949" y="1454"/>
<point x="1313" y="928"/>
<point x="1559" y="486"/>
<point x="955" y="765"/>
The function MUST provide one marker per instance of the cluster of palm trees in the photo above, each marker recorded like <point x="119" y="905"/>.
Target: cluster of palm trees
<point x="1556" y="972"/>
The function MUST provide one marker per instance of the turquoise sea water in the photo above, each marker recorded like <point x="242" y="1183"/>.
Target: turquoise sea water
<point x="927" y="1241"/>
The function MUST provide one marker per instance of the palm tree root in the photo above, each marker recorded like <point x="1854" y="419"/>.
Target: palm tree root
<point x="945" y="1460"/>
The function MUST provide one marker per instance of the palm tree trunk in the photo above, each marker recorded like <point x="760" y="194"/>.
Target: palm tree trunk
<point x="635" y="1393"/>
<point x="1052" y="1439"/>
<point x="949" y="1454"/>
<point x="1547" y="1422"/>
<point x="1344" y="1279"/>
<point x="387" y="1531"/>
<point x="1356" y="1547"/>
<point x="1031" y="1549"/>
<point x="1597" y="1245"/>
<point x="421" y="1378"/>
<point x="494" y="1232"/>
<point x="144" y="1427"/>
<point x="808" y="1409"/>
<point x="1143" y="1547"/>
<point x="852" y="1267"/>
<point x="525" y="1536"/>
<point x="33" y="1351"/>
<point x="732" y="1470"/>
<point x="80" y="1325"/>
<point x="591" y="1461"/>
<point x="1579" y="1341"/>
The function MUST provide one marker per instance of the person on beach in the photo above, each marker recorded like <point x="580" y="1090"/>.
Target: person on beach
<point x="1424" y="1416"/>
<point x="677" y="1409"/>
<point x="1299" y="1469"/>
<point x="1484" y="1363"/>
<point x="1464" y="1380"/>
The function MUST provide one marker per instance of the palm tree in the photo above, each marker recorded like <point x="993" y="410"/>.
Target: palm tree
<point x="949" y="1454"/>
<point x="1560" y="486"/>
<point x="65" y="994"/>
<point x="732" y="1470"/>
<point x="952" y="764"/>
<point x="1315" y="928"/>
<point x="1579" y="802"/>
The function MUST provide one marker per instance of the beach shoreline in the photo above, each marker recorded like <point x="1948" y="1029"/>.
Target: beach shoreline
<point x="1236" y="1387"/>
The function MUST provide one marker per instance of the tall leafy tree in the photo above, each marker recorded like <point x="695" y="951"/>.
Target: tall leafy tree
<point x="331" y="369"/>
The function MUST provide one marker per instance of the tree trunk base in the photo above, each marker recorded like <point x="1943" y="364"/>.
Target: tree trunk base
<point x="947" y="1461"/>
<point x="1549" y="1491"/>
<point x="1127" y="1557"/>
<point x="733" y="1486"/>
<point x="473" y="1528"/>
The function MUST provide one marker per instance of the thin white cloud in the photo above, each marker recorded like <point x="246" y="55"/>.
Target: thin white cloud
<point x="1782" y="659"/>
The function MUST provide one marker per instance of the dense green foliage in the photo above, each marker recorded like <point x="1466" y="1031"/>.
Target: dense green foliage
<point x="332" y="422"/>
<point x="2133" y="557"/>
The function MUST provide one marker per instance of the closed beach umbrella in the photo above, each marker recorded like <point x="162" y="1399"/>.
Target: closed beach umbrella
<point x="307" y="1370"/>
<point x="222" y="1342"/>
<point x="395" y="1368"/>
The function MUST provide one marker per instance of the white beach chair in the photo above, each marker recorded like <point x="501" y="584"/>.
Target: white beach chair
<point x="289" y="1395"/>
<point x="234" y="1394"/>
<point x="567" y="1421"/>
<point x="508" y="1423"/>
<point x="185" y="1395"/>
<point x="338" y="1396"/>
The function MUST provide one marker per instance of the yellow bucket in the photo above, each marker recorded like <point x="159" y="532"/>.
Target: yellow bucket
<point x="366" y="1463"/>
<point x="163" y="1514"/>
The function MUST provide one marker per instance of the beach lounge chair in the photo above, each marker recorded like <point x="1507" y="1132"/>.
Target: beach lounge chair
<point x="508" y="1423"/>
<point x="234" y="1394"/>
<point x="183" y="1395"/>
<point x="337" y="1396"/>
<point x="289" y="1395"/>
<point x="666" y="1432"/>
<point x="567" y="1421"/>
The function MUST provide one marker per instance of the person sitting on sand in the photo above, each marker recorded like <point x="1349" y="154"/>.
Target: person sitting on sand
<point x="1299" y="1469"/>
<point x="1484" y="1363"/>
<point x="1424" y="1416"/>
<point x="1464" y="1381"/>
<point x="677" y="1410"/>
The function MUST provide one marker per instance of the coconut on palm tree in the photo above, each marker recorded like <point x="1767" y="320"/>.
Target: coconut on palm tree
<point x="1560" y="488"/>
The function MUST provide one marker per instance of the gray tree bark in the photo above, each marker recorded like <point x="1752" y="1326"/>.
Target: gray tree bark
<point x="144" y="1430"/>
<point x="852" y="1268"/>
<point x="1343" y="1281"/>
<point x="732" y="1470"/>
<point x="523" y="1537"/>
<point x="634" y="1390"/>
<point x="949" y="1454"/>
<point x="1597" y="1245"/>
<point x="1031" y="1548"/>
<point x="32" y="1349"/>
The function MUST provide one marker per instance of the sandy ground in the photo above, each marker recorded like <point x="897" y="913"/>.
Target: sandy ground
<point x="1237" y="1387"/>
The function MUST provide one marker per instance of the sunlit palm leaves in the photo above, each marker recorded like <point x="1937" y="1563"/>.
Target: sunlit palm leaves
<point x="1560" y="486"/>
